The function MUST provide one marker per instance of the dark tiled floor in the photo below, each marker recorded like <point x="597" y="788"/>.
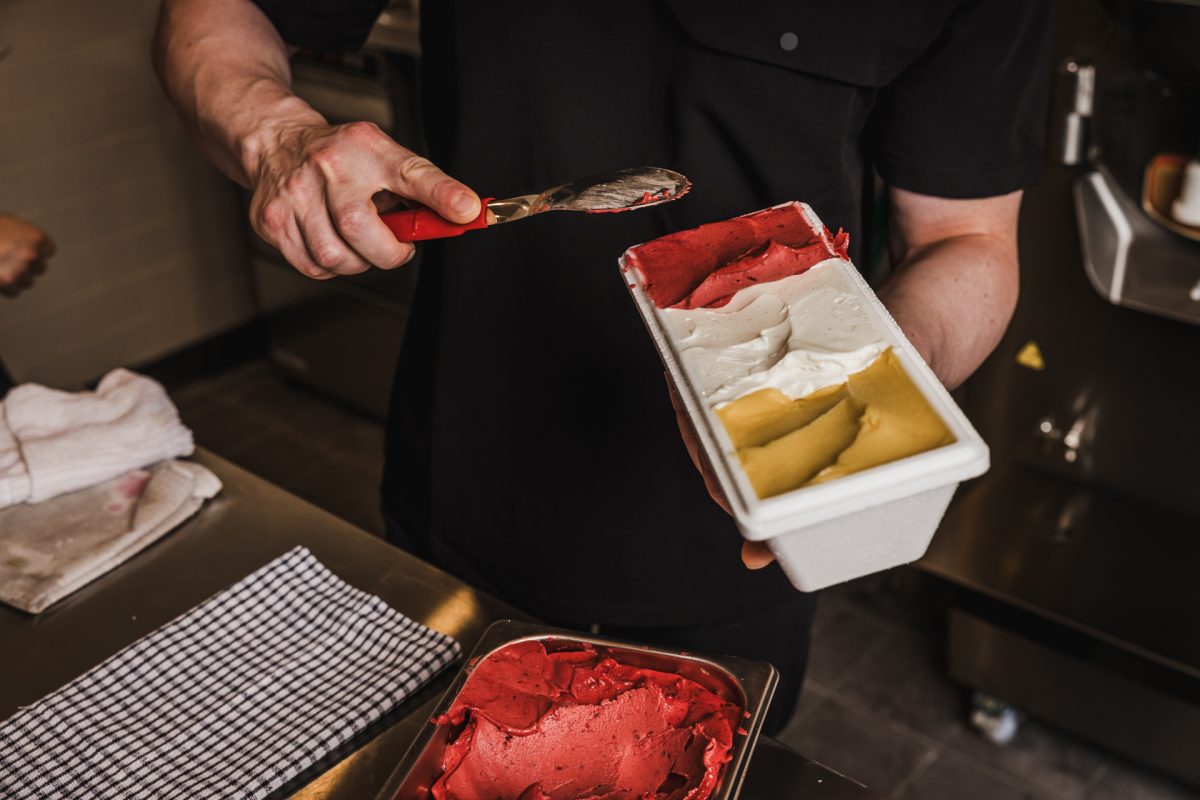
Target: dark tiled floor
<point x="877" y="706"/>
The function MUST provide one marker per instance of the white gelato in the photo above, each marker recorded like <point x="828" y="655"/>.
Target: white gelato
<point x="797" y="334"/>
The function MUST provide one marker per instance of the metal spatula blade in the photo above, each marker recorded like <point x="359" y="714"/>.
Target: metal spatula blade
<point x="619" y="190"/>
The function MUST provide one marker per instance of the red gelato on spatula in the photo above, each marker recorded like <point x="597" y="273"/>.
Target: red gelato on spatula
<point x="578" y="725"/>
<point x="705" y="266"/>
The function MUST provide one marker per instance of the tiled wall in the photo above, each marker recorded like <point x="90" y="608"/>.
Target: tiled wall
<point x="151" y="250"/>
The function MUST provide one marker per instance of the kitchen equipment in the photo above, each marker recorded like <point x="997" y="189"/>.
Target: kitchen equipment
<point x="750" y="684"/>
<point x="855" y="525"/>
<point x="1132" y="257"/>
<point x="1072" y="563"/>
<point x="619" y="190"/>
<point x="1163" y="193"/>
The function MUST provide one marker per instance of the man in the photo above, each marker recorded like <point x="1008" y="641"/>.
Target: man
<point x="532" y="447"/>
<point x="24" y="250"/>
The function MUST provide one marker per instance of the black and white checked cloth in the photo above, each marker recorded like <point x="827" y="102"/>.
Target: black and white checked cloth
<point x="232" y="699"/>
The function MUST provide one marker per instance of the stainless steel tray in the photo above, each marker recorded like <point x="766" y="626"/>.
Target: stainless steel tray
<point x="748" y="683"/>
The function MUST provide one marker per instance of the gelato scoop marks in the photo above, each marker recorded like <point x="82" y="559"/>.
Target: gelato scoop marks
<point x="779" y="345"/>
<point x="575" y="724"/>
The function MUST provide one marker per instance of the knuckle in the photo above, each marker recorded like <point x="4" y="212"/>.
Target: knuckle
<point x="352" y="222"/>
<point x="327" y="158"/>
<point x="362" y="131"/>
<point x="416" y="168"/>
<point x="272" y="218"/>
<point x="328" y="256"/>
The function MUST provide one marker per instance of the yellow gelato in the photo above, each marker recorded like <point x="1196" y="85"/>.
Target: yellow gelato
<point x="878" y="415"/>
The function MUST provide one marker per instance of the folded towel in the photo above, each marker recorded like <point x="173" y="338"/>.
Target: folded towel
<point x="232" y="699"/>
<point x="53" y="442"/>
<point x="50" y="549"/>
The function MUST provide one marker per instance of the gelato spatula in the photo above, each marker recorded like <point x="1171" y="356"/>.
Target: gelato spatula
<point x="619" y="190"/>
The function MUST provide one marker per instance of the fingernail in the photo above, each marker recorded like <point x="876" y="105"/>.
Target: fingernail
<point x="465" y="205"/>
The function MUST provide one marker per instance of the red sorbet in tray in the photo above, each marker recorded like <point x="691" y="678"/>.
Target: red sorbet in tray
<point x="704" y="267"/>
<point x="577" y="725"/>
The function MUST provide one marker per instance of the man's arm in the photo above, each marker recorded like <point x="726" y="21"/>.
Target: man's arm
<point x="316" y="186"/>
<point x="955" y="288"/>
<point x="953" y="292"/>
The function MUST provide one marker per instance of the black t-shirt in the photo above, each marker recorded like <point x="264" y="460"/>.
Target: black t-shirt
<point x="532" y="446"/>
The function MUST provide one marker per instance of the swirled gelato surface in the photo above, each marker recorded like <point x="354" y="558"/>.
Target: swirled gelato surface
<point x="877" y="416"/>
<point x="797" y="334"/>
<point x="773" y="333"/>
<point x="704" y="267"/>
<point x="578" y="725"/>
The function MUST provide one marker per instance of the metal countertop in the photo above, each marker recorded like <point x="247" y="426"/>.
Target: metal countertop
<point x="247" y="525"/>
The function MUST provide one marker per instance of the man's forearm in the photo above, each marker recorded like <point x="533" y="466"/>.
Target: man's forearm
<point x="226" y="71"/>
<point x="954" y="298"/>
<point x="955" y="288"/>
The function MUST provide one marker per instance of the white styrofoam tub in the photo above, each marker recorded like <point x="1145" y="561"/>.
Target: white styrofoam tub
<point x="858" y="524"/>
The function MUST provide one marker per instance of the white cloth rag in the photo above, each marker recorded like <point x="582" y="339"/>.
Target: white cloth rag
<point x="53" y="442"/>
<point x="50" y="549"/>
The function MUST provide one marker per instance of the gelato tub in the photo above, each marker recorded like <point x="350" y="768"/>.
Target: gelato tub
<point x="832" y="440"/>
<point x="539" y="713"/>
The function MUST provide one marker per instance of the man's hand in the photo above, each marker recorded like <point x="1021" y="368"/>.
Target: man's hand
<point x="318" y="191"/>
<point x="755" y="555"/>
<point x="317" y="187"/>
<point x="24" y="248"/>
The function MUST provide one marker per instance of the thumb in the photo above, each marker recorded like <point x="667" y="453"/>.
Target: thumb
<point x="419" y="179"/>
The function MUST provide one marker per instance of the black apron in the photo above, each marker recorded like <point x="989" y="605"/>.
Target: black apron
<point x="532" y="448"/>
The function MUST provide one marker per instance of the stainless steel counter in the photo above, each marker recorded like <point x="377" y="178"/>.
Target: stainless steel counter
<point x="247" y="525"/>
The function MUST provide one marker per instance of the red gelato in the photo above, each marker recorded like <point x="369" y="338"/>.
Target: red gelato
<point x="577" y="725"/>
<point x="704" y="267"/>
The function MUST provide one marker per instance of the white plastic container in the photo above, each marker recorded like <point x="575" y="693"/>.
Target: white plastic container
<point x="855" y="525"/>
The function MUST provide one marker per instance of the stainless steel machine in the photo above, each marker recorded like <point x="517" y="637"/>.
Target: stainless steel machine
<point x="1076" y="560"/>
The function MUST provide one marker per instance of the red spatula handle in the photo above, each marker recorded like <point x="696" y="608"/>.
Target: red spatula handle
<point x="419" y="224"/>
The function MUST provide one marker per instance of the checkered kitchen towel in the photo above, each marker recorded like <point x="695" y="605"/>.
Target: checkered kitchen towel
<point x="232" y="699"/>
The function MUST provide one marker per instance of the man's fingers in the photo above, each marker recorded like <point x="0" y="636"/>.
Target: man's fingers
<point x="325" y="247"/>
<point x="756" y="555"/>
<point x="276" y="224"/>
<point x="408" y="174"/>
<point x="360" y="226"/>
<point x="14" y="285"/>
<point x="292" y="245"/>
<point x="319" y="202"/>
<point x="419" y="179"/>
<point x="692" y="442"/>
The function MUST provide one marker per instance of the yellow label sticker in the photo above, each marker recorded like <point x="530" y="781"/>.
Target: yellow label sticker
<point x="1030" y="356"/>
